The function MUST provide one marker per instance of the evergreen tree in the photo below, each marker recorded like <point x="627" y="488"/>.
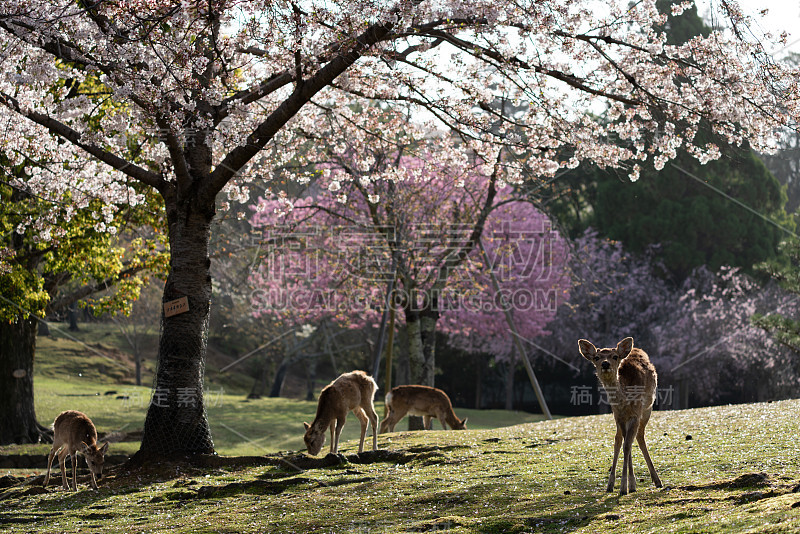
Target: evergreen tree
<point x="690" y="209"/>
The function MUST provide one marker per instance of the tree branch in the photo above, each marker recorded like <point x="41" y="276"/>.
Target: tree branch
<point x="257" y="140"/>
<point x="62" y="130"/>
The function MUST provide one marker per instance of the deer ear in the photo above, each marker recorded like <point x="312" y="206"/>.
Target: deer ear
<point x="625" y="347"/>
<point x="587" y="349"/>
<point x="306" y="425"/>
<point x="104" y="449"/>
<point x="84" y="446"/>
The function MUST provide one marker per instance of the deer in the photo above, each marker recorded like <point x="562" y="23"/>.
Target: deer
<point x="73" y="431"/>
<point x="630" y="381"/>
<point x="350" y="391"/>
<point x="420" y="400"/>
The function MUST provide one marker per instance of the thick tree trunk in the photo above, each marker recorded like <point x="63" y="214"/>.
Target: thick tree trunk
<point x="17" y="347"/>
<point x="416" y="359"/>
<point x="176" y="424"/>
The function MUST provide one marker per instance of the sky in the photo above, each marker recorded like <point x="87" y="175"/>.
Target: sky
<point x="782" y="15"/>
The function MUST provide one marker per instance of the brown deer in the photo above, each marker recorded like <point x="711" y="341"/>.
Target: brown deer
<point x="420" y="400"/>
<point x="630" y="382"/>
<point x="351" y="391"/>
<point x="72" y="432"/>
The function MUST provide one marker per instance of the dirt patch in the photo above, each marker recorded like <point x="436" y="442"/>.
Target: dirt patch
<point x="252" y="487"/>
<point x="39" y="461"/>
<point x="748" y="480"/>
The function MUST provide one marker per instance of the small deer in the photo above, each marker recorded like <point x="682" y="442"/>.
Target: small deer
<point x="72" y="432"/>
<point x="420" y="400"/>
<point x="630" y="382"/>
<point x="351" y="391"/>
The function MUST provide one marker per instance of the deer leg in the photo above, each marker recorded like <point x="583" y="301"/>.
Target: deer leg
<point x="617" y="445"/>
<point x="427" y="422"/>
<point x="50" y="457"/>
<point x="92" y="478"/>
<point x="385" y="423"/>
<point x="339" y="426"/>
<point x="442" y="419"/>
<point x="643" y="447"/>
<point x="62" y="459"/>
<point x="362" y="418"/>
<point x="373" y="419"/>
<point x="75" y="471"/>
<point x="628" y="481"/>
<point x="392" y="418"/>
<point x="333" y="436"/>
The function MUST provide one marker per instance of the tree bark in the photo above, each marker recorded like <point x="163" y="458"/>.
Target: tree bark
<point x="509" y="402"/>
<point x="421" y="329"/>
<point x="260" y="383"/>
<point x="17" y="348"/>
<point x="176" y="423"/>
<point x="280" y="377"/>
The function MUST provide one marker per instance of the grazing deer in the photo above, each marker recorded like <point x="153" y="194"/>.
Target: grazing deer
<point x="72" y="432"/>
<point x="630" y="382"/>
<point x="351" y="391"/>
<point x="420" y="400"/>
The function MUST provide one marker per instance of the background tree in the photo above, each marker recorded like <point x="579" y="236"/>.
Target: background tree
<point x="79" y="261"/>
<point x="202" y="88"/>
<point x="782" y="324"/>
<point x="344" y="246"/>
<point x="711" y="350"/>
<point x="686" y="206"/>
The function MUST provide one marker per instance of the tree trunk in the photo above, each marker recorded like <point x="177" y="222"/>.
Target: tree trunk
<point x="510" y="368"/>
<point x="176" y="424"/>
<point x="44" y="328"/>
<point x="17" y="347"/>
<point x="280" y="376"/>
<point x="421" y="330"/>
<point x="138" y="363"/>
<point x="260" y="383"/>
<point x="311" y="381"/>
<point x="416" y="360"/>
<point x="72" y="317"/>
<point x="428" y="334"/>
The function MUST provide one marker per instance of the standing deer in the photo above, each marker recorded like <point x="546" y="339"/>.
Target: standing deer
<point x="72" y="432"/>
<point x="630" y="382"/>
<point x="420" y="400"/>
<point x="351" y="391"/>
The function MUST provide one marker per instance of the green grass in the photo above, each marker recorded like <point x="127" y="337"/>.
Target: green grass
<point x="239" y="426"/>
<point x="725" y="469"/>
<point x="537" y="477"/>
<point x="68" y="375"/>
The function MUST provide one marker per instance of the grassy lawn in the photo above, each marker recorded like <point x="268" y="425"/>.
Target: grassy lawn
<point x="725" y="469"/>
<point x="239" y="426"/>
<point x="736" y="474"/>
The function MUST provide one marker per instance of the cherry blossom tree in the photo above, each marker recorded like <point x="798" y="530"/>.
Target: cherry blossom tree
<point x="41" y="277"/>
<point x="529" y="261"/>
<point x="711" y="347"/>
<point x="373" y="216"/>
<point x="182" y="97"/>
